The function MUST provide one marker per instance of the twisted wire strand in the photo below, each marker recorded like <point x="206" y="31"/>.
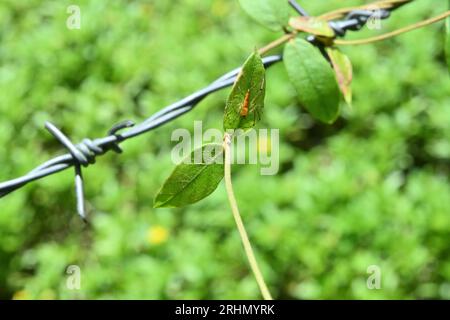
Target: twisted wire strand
<point x="84" y="153"/>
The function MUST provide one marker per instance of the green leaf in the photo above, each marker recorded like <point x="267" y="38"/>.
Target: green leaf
<point x="313" y="80"/>
<point x="447" y="44"/>
<point x="247" y="93"/>
<point x="194" y="179"/>
<point x="312" y="25"/>
<point x="344" y="72"/>
<point x="273" y="14"/>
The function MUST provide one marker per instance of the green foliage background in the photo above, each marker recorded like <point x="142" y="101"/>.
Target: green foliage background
<point x="371" y="189"/>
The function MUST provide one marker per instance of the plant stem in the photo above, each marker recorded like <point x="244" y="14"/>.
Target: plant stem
<point x="240" y="225"/>
<point x="277" y="43"/>
<point x="383" y="4"/>
<point x="394" y="33"/>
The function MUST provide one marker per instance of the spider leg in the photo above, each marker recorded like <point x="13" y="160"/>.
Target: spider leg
<point x="252" y="104"/>
<point x="253" y="108"/>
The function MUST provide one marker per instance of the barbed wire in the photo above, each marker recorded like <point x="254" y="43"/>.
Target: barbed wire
<point x="84" y="153"/>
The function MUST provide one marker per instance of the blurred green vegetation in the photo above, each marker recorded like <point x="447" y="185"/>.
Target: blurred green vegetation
<point x="371" y="189"/>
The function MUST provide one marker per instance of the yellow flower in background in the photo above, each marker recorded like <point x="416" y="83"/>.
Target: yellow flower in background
<point x="220" y="8"/>
<point x="264" y="145"/>
<point x="157" y="235"/>
<point x="47" y="294"/>
<point x="148" y="10"/>
<point x="21" y="295"/>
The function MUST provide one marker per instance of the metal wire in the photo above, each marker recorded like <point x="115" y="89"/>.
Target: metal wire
<point x="84" y="153"/>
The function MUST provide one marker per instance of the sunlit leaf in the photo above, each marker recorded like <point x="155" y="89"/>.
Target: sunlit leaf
<point x="313" y="79"/>
<point x="312" y="25"/>
<point x="246" y="100"/>
<point x="273" y="14"/>
<point x="194" y="179"/>
<point x="344" y="72"/>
